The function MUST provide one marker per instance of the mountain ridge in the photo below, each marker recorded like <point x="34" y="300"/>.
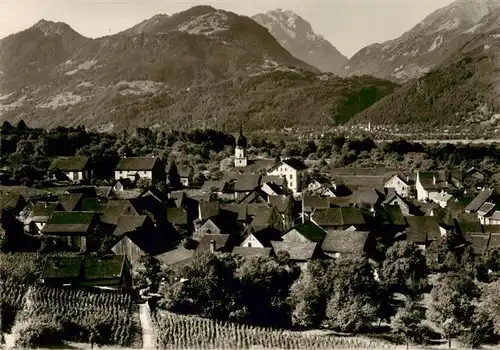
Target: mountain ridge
<point x="296" y="35"/>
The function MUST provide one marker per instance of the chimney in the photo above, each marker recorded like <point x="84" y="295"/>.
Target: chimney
<point x="212" y="246"/>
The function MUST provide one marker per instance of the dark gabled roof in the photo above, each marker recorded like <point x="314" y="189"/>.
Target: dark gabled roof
<point x="263" y="234"/>
<point x="252" y="251"/>
<point x="239" y="209"/>
<point x="427" y="180"/>
<point x="339" y="201"/>
<point x="365" y="196"/>
<point x="177" y="216"/>
<point x="175" y="256"/>
<point x="469" y="223"/>
<point x="400" y="177"/>
<point x="255" y="196"/>
<point x="115" y="208"/>
<point x="184" y="171"/>
<point x="104" y="191"/>
<point x="178" y="198"/>
<point x="422" y="228"/>
<point x="247" y="183"/>
<point x="204" y="243"/>
<point x="226" y="222"/>
<point x="208" y="209"/>
<point x="10" y="200"/>
<point x="338" y="217"/>
<point x="278" y="180"/>
<point x="262" y="217"/>
<point x="299" y="251"/>
<point x="295" y="163"/>
<point x="99" y="268"/>
<point x="218" y="186"/>
<point x="125" y="182"/>
<point x="444" y="217"/>
<point x="136" y="163"/>
<point x="341" y="241"/>
<point x="479" y="200"/>
<point x="254" y="208"/>
<point x="310" y="203"/>
<point x="392" y="214"/>
<point x="62" y="267"/>
<point x="274" y="187"/>
<point x="280" y="202"/>
<point x="368" y="181"/>
<point x="77" y="163"/>
<point x="494" y="241"/>
<point x="44" y="209"/>
<point x="129" y="223"/>
<point x="392" y="195"/>
<point x="479" y="242"/>
<point x="485" y="209"/>
<point x="94" y="204"/>
<point x="69" y="222"/>
<point x="152" y="241"/>
<point x="311" y="231"/>
<point x="70" y="201"/>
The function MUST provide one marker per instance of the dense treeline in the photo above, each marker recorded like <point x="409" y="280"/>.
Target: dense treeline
<point x="27" y="152"/>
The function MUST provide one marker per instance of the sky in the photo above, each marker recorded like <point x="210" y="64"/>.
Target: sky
<point x="348" y="24"/>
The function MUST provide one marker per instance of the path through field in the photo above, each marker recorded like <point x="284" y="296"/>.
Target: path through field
<point x="148" y="339"/>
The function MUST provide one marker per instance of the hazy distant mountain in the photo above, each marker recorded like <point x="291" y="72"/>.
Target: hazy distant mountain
<point x="426" y="45"/>
<point x="200" y="67"/>
<point x="296" y="35"/>
<point x="463" y="90"/>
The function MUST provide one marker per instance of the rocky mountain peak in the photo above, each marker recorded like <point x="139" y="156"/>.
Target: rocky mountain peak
<point x="53" y="28"/>
<point x="296" y="35"/>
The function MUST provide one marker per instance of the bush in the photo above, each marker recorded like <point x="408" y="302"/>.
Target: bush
<point x="37" y="332"/>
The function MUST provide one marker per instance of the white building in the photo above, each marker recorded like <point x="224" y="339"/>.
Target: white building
<point x="429" y="184"/>
<point x="399" y="184"/>
<point x="135" y="168"/>
<point x="74" y="168"/>
<point x="292" y="170"/>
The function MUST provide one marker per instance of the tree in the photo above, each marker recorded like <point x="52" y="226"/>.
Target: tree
<point x="143" y="183"/>
<point x="173" y="176"/>
<point x="451" y="305"/>
<point x="408" y="321"/>
<point x="21" y="125"/>
<point x="351" y="314"/>
<point x="490" y="304"/>
<point x="404" y="269"/>
<point x="152" y="271"/>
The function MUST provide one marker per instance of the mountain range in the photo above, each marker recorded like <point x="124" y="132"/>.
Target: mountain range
<point x="206" y="67"/>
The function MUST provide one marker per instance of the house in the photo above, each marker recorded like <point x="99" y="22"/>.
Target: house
<point x="253" y="197"/>
<point x="275" y="179"/>
<point x="87" y="271"/>
<point x="244" y="185"/>
<point x="430" y="183"/>
<point x="176" y="257"/>
<point x="135" y="168"/>
<point x="105" y="192"/>
<point x="299" y="252"/>
<point x="310" y="203"/>
<point x="212" y="243"/>
<point x="39" y="214"/>
<point x="292" y="169"/>
<point x="321" y="187"/>
<point x="339" y="242"/>
<point x="306" y="232"/>
<point x="478" y="241"/>
<point x="123" y="185"/>
<point x="285" y="206"/>
<point x="185" y="175"/>
<point x="252" y="251"/>
<point x="474" y="178"/>
<point x="393" y="198"/>
<point x="74" y="168"/>
<point x="366" y="197"/>
<point x="72" y="227"/>
<point x="486" y="211"/>
<point x="479" y="200"/>
<point x="441" y="198"/>
<point x="217" y="225"/>
<point x="467" y="223"/>
<point x="12" y="200"/>
<point x="138" y="238"/>
<point x="422" y="230"/>
<point x="217" y="187"/>
<point x="208" y="209"/>
<point x="400" y="184"/>
<point x="339" y="218"/>
<point x="178" y="217"/>
<point x="272" y="189"/>
<point x="267" y="217"/>
<point x="70" y="201"/>
<point x="260" y="237"/>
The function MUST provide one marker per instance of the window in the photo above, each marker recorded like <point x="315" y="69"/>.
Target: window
<point x="291" y="176"/>
<point x="249" y="245"/>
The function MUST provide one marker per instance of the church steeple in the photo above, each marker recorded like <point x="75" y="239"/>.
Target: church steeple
<point x="240" y="158"/>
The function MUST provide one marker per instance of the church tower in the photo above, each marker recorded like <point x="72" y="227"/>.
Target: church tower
<point x="240" y="152"/>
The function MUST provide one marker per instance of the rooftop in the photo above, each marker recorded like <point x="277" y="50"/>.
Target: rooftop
<point x="77" y="163"/>
<point x="136" y="163"/>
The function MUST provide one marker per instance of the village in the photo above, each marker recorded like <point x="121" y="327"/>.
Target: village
<point x="258" y="208"/>
<point x="108" y="237"/>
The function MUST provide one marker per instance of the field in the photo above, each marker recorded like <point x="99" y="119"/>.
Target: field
<point x="186" y="332"/>
<point x="110" y="315"/>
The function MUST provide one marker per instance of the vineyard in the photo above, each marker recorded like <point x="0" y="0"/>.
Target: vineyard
<point x="80" y="312"/>
<point x="11" y="302"/>
<point x="186" y="332"/>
